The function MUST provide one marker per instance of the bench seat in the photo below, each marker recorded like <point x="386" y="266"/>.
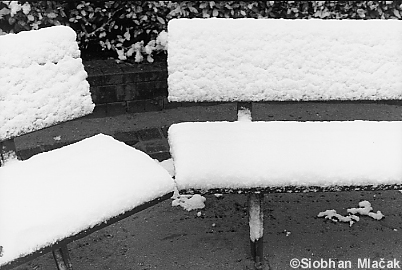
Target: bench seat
<point x="250" y="155"/>
<point x="58" y="194"/>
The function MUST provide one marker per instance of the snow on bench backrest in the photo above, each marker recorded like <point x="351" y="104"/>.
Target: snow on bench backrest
<point x="283" y="60"/>
<point x="42" y="80"/>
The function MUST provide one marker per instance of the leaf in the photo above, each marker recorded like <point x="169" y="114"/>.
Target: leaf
<point x="193" y="9"/>
<point x="4" y="11"/>
<point x="397" y="13"/>
<point x="215" y="13"/>
<point x="160" y="20"/>
<point x="242" y="12"/>
<point x="51" y="15"/>
<point x="361" y="13"/>
<point x="150" y="59"/>
<point x="11" y="20"/>
<point x="127" y="35"/>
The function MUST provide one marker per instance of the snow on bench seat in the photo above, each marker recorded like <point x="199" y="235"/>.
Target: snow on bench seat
<point x="56" y="194"/>
<point x="42" y="80"/>
<point x="277" y="60"/>
<point x="242" y="155"/>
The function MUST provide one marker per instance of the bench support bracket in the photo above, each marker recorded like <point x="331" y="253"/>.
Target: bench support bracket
<point x="256" y="223"/>
<point x="62" y="258"/>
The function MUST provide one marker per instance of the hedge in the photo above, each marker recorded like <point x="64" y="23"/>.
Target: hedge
<point x="137" y="29"/>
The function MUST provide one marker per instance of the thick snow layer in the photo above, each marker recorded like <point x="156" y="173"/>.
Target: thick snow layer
<point x="277" y="59"/>
<point x="42" y="80"/>
<point x="264" y="154"/>
<point x="58" y="193"/>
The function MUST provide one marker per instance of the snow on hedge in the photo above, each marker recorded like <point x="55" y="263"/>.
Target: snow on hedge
<point x="42" y="80"/>
<point x="59" y="193"/>
<point x="277" y="59"/>
<point x="268" y="154"/>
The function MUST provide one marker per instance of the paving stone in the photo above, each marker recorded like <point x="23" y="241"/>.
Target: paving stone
<point x="129" y="138"/>
<point x="160" y="156"/>
<point x="149" y="134"/>
<point x="164" y="131"/>
<point x="156" y="146"/>
<point x="171" y="105"/>
<point x="147" y="105"/>
<point x="152" y="105"/>
<point x="117" y="108"/>
<point x="27" y="153"/>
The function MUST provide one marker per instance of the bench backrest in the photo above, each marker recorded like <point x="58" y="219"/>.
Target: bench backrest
<point x="284" y="60"/>
<point x="42" y="81"/>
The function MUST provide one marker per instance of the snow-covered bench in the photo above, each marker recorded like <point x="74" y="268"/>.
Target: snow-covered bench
<point x="249" y="60"/>
<point x="56" y="197"/>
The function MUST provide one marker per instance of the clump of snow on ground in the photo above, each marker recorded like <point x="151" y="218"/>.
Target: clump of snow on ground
<point x="252" y="60"/>
<point x="363" y="210"/>
<point x="58" y="193"/>
<point x="189" y="202"/>
<point x="43" y="81"/>
<point x="335" y="217"/>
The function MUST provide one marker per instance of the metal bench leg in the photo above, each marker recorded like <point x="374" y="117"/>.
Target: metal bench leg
<point x="256" y="223"/>
<point x="62" y="258"/>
